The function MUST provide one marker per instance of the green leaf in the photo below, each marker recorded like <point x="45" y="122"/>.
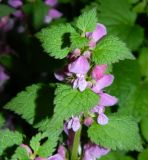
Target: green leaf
<point x="70" y="101"/>
<point x="34" y="104"/>
<point x="110" y="50"/>
<point x="137" y="104"/>
<point x="112" y="14"/>
<point x="35" y="142"/>
<point x="116" y="156"/>
<point x="87" y="21"/>
<point x="48" y="147"/>
<point x="120" y="133"/>
<point x="5" y="10"/>
<point x="9" y="139"/>
<point x="78" y="41"/>
<point x="52" y="40"/>
<point x="2" y="120"/>
<point x="143" y="155"/>
<point x="144" y="127"/>
<point x="143" y="59"/>
<point x="127" y="79"/>
<point x="20" y="154"/>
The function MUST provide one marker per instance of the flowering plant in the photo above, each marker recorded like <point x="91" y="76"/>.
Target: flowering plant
<point x="86" y="93"/>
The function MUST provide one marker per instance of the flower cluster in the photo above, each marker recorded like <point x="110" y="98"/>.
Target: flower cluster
<point x="82" y="74"/>
<point x="53" y="13"/>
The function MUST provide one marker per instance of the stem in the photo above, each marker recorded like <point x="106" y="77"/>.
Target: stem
<point x="74" y="154"/>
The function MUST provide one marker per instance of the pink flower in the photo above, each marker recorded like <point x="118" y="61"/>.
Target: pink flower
<point x="60" y="155"/>
<point x="96" y="35"/>
<point x="88" y="121"/>
<point x="107" y="100"/>
<point x="80" y="82"/>
<point x="99" y="71"/>
<point x="39" y="158"/>
<point x="93" y="151"/>
<point x="74" y="124"/>
<point x="29" y="151"/>
<point x="51" y="3"/>
<point x="3" y="77"/>
<point x="15" y="3"/>
<point x="52" y="14"/>
<point x="79" y="66"/>
<point x="105" y="81"/>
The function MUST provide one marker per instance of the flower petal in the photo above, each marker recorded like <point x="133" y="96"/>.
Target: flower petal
<point x="107" y="100"/>
<point x="51" y="3"/>
<point x="102" y="119"/>
<point x="105" y="81"/>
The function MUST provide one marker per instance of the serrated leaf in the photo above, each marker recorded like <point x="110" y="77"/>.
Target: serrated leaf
<point x="5" y="10"/>
<point x="110" y="50"/>
<point x="9" y="139"/>
<point x="78" y="41"/>
<point x="52" y="40"/>
<point x="143" y="155"/>
<point x="48" y="147"/>
<point x="34" y="104"/>
<point x="35" y="142"/>
<point x="70" y="101"/>
<point x="87" y="21"/>
<point x="20" y="154"/>
<point x="144" y="127"/>
<point x="120" y="133"/>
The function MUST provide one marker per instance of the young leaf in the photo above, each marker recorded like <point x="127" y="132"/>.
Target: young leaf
<point x="112" y="14"/>
<point x="34" y="104"/>
<point x="5" y="10"/>
<point x="70" y="101"/>
<point x="120" y="133"/>
<point x="35" y="142"/>
<point x="110" y="50"/>
<point x="87" y="21"/>
<point x="52" y="40"/>
<point x="20" y="154"/>
<point x="9" y="138"/>
<point x="77" y="41"/>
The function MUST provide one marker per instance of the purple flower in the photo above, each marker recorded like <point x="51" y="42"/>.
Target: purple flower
<point x="99" y="71"/>
<point x="88" y="121"/>
<point x="74" y="124"/>
<point x="60" y="155"/>
<point x="93" y="151"/>
<point x="3" y="77"/>
<point x="96" y="35"/>
<point x="80" y="82"/>
<point x="74" y="54"/>
<point x="79" y="66"/>
<point x="105" y="81"/>
<point x="52" y="14"/>
<point x="15" y="3"/>
<point x="51" y="3"/>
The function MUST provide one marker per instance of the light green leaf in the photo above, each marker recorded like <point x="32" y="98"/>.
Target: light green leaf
<point x="20" y="154"/>
<point x="54" y="39"/>
<point x="143" y="155"/>
<point x="78" y="41"/>
<point x="34" y="104"/>
<point x="35" y="142"/>
<point x="70" y="101"/>
<point x="120" y="133"/>
<point x="110" y="50"/>
<point x="5" y="10"/>
<point x="9" y="139"/>
<point x="87" y="21"/>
